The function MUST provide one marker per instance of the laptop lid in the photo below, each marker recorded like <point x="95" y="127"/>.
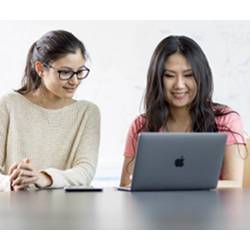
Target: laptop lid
<point x="178" y="161"/>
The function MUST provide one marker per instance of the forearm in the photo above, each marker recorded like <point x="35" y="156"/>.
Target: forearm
<point x="233" y="164"/>
<point x="127" y="171"/>
<point x="78" y="175"/>
<point x="125" y="178"/>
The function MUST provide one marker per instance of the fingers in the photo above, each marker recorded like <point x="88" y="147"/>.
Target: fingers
<point x="25" y="164"/>
<point x="22" y="186"/>
<point x="14" y="175"/>
<point x="22" y="175"/>
<point x="26" y="160"/>
<point x="22" y="171"/>
<point x="24" y="181"/>
<point x="12" y="168"/>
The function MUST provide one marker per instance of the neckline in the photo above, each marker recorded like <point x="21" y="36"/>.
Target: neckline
<point x="29" y="102"/>
<point x="187" y="130"/>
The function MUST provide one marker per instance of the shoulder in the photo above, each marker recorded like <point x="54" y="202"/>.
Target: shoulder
<point x="9" y="99"/>
<point x="88" y="107"/>
<point x="140" y="120"/>
<point x="225" y="115"/>
<point x="229" y="121"/>
<point x="138" y="124"/>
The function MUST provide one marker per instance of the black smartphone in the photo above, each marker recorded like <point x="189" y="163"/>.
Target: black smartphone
<point x="82" y="189"/>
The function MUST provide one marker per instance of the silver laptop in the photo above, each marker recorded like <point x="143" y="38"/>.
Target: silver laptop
<point x="177" y="161"/>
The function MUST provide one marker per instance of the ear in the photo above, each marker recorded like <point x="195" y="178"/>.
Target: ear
<point x="39" y="68"/>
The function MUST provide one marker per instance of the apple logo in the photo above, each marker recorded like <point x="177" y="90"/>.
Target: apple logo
<point x="179" y="162"/>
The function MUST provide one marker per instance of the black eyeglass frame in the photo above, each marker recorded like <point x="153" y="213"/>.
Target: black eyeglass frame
<point x="84" y="68"/>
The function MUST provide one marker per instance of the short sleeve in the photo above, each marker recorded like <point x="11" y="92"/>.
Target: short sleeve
<point x="231" y="124"/>
<point x="131" y="141"/>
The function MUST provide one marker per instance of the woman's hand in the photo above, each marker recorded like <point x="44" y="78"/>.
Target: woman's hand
<point x="24" y="174"/>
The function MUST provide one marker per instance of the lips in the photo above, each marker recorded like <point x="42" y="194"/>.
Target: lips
<point x="69" y="89"/>
<point x="179" y="95"/>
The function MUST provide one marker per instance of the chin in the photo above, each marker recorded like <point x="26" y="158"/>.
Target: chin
<point x="180" y="105"/>
<point x="69" y="95"/>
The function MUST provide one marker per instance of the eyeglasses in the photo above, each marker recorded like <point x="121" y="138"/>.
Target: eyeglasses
<point x="67" y="74"/>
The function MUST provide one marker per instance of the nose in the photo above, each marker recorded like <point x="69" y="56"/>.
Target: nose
<point x="180" y="82"/>
<point x="73" y="80"/>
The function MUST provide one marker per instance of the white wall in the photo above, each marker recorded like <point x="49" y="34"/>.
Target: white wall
<point x="120" y="52"/>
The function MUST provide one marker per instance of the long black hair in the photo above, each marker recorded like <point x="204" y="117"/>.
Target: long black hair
<point x="50" y="47"/>
<point x="203" y="110"/>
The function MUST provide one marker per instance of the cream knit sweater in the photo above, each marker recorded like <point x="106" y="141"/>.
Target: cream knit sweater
<point x="62" y="142"/>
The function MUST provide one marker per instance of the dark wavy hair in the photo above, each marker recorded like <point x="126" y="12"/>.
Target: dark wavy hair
<point x="203" y="110"/>
<point x="50" y="47"/>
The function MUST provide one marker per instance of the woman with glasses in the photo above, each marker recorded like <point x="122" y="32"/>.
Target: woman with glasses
<point x="179" y="99"/>
<point x="49" y="139"/>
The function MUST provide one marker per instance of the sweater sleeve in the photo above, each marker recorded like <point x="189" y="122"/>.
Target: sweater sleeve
<point x="4" y="121"/>
<point x="84" y="167"/>
<point x="4" y="183"/>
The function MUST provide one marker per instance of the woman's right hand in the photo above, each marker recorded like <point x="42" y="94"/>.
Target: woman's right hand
<point x="12" y="168"/>
<point x="22" y="175"/>
<point x="12" y="173"/>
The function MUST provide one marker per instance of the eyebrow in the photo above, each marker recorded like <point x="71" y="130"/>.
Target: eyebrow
<point x="66" y="67"/>
<point x="172" y="71"/>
